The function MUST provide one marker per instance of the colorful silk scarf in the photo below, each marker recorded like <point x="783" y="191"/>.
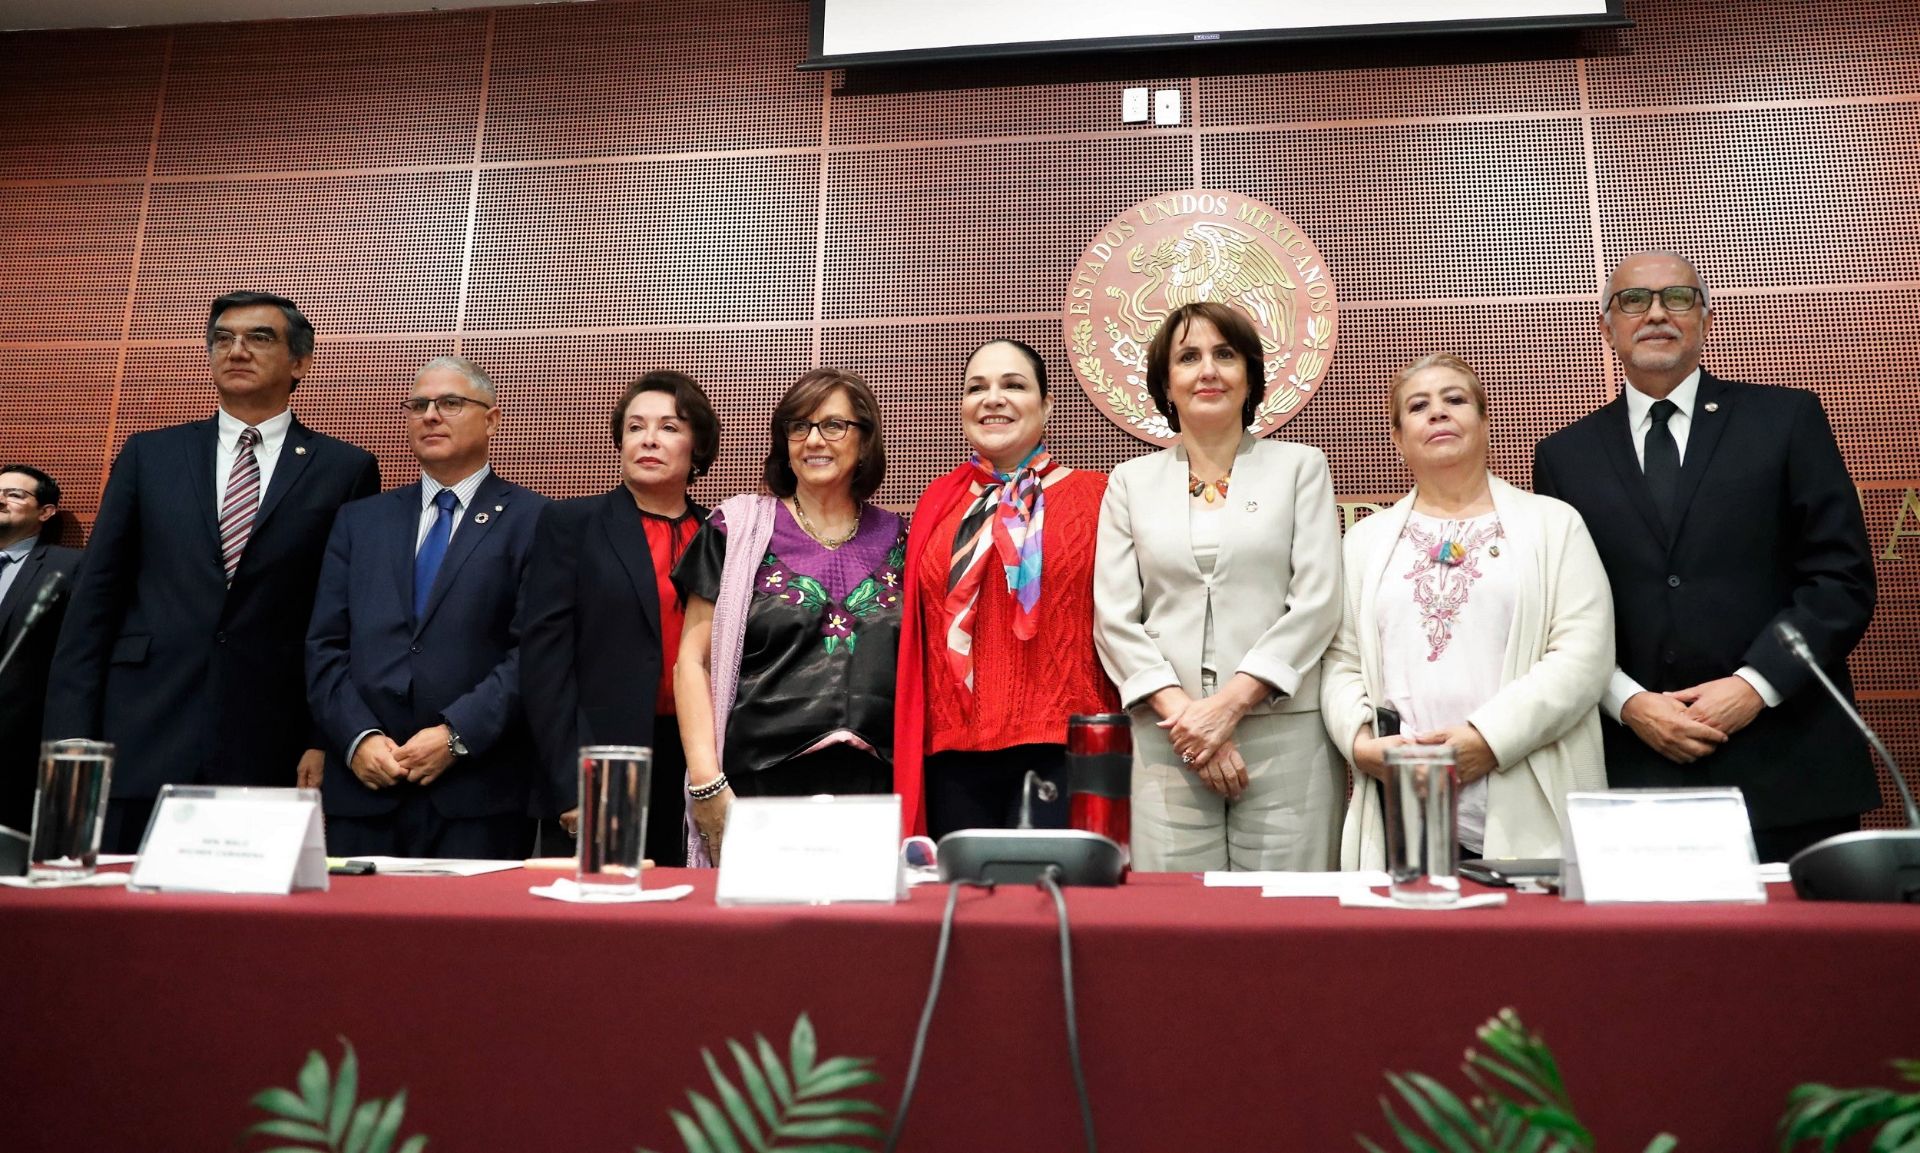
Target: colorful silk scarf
<point x="1006" y="518"/>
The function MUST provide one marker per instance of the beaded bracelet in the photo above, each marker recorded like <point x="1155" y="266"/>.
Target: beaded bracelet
<point x="709" y="790"/>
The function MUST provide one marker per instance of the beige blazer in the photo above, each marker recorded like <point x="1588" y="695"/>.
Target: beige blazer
<point x="1543" y="725"/>
<point x="1274" y="589"/>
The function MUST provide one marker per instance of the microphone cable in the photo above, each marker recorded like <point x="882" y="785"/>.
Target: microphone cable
<point x="926" y="1012"/>
<point x="1050" y="881"/>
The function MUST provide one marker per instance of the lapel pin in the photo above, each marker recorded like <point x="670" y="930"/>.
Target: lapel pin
<point x="1713" y="406"/>
<point x="299" y="450"/>
<point x="480" y="518"/>
<point x="1253" y="506"/>
<point x="499" y="508"/>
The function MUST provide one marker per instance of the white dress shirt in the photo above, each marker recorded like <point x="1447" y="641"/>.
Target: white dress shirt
<point x="273" y="436"/>
<point x="1639" y="420"/>
<point x="463" y="491"/>
<point x="10" y="571"/>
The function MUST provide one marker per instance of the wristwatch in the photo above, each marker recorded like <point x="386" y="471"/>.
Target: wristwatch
<point x="455" y="745"/>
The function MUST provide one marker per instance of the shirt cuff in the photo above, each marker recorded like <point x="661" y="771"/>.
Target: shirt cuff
<point x="1619" y="691"/>
<point x="355" y="746"/>
<point x="1760" y="685"/>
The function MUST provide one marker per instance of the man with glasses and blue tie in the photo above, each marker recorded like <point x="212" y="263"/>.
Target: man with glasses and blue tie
<point x="1719" y="508"/>
<point x="413" y="656"/>
<point x="182" y="641"/>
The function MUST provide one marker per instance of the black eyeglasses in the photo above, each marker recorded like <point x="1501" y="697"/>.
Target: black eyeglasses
<point x="450" y="406"/>
<point x="257" y="340"/>
<point x="1673" y="298"/>
<point x="832" y="428"/>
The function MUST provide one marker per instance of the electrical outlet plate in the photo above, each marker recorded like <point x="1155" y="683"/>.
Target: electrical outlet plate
<point x="1133" y="106"/>
<point x="1166" y="106"/>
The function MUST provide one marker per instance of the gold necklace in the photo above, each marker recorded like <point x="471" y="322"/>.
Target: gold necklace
<point x="800" y="515"/>
<point x="1207" y="490"/>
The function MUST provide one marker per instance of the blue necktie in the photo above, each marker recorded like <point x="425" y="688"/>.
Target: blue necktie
<point x="433" y="550"/>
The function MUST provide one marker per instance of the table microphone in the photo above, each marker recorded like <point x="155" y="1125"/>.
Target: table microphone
<point x="43" y="599"/>
<point x="1870" y="864"/>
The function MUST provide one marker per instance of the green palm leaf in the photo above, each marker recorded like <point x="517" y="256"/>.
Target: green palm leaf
<point x="794" y="1105"/>
<point x="1521" y="1105"/>
<point x="285" y="1103"/>
<point x="388" y="1126"/>
<point x="325" y="1114"/>
<point x="737" y="1107"/>
<point x="756" y="1082"/>
<point x="1833" y="1116"/>
<point x="314" y="1087"/>
<point x="298" y="1130"/>
<point x="360" y="1129"/>
<point x="776" y="1073"/>
<point x="345" y="1088"/>
<point x="714" y="1124"/>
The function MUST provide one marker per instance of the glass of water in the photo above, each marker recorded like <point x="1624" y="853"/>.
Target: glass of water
<point x="69" y="809"/>
<point x="613" y="818"/>
<point x="1422" y="832"/>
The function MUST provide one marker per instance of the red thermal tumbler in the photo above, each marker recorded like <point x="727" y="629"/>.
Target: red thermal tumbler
<point x="1100" y="777"/>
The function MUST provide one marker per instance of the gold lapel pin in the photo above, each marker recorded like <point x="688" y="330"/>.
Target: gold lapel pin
<point x="480" y="518"/>
<point x="1713" y="406"/>
<point x="299" y="450"/>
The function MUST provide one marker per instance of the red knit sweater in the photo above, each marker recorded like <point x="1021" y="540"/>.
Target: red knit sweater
<point x="1024" y="690"/>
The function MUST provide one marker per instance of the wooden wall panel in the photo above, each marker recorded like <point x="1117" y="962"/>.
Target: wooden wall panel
<point x="573" y="194"/>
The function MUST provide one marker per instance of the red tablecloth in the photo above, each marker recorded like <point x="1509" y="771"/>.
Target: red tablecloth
<point x="1211" y="1019"/>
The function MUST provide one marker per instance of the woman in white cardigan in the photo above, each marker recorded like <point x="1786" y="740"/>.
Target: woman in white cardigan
<point x="1482" y="616"/>
<point x="1216" y="589"/>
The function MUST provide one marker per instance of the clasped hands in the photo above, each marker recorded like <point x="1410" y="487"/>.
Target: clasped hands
<point x="1691" y="723"/>
<point x="381" y="764"/>
<point x="1201" y="731"/>
<point x="1472" y="757"/>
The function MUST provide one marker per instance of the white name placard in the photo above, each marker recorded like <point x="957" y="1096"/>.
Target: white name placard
<point x="1660" y="845"/>
<point x="204" y="839"/>
<point x="810" y="851"/>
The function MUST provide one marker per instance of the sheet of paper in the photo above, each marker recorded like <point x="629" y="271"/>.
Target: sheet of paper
<point x="1310" y="884"/>
<point x="1321" y="884"/>
<point x="435" y="866"/>
<point x="1368" y="899"/>
<point x="568" y="890"/>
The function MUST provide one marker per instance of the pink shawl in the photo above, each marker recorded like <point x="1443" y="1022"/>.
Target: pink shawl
<point x="749" y="521"/>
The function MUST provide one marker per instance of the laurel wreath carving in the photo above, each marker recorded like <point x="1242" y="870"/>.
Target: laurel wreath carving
<point x="1093" y="370"/>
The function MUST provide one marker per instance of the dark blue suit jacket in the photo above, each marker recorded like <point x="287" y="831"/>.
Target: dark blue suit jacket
<point x="372" y="665"/>
<point x="23" y="684"/>
<point x="195" y="681"/>
<point x="1769" y="529"/>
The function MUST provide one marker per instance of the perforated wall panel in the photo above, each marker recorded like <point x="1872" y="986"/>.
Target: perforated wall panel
<point x="573" y="194"/>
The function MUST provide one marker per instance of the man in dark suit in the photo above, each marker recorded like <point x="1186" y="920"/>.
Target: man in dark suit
<point x="182" y="641"/>
<point x="1720" y="508"/>
<point x="29" y="499"/>
<point x="413" y="657"/>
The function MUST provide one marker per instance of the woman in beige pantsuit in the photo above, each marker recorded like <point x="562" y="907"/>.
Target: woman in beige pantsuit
<point x="1216" y="590"/>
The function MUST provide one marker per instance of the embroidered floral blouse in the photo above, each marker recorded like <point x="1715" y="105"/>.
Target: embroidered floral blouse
<point x="1443" y="632"/>
<point x="822" y="636"/>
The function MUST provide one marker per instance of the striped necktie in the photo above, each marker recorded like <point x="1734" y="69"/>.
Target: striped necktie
<point x="241" y="504"/>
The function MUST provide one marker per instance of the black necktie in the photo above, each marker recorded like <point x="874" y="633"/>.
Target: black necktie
<point x="1661" y="460"/>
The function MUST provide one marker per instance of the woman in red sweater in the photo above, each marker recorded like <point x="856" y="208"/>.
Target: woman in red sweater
<point x="996" y="647"/>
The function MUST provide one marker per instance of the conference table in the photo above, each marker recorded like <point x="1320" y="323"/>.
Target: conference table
<point x="1210" y="1018"/>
